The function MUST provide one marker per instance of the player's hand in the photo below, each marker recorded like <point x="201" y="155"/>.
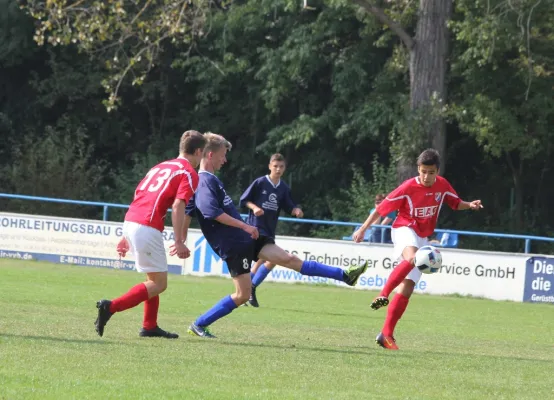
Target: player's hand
<point x="252" y="231"/>
<point x="358" y="236"/>
<point x="179" y="249"/>
<point x="122" y="247"/>
<point x="297" y="212"/>
<point x="258" y="212"/>
<point x="475" y="205"/>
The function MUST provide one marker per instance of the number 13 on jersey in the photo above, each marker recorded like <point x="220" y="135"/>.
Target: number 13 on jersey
<point x="160" y="175"/>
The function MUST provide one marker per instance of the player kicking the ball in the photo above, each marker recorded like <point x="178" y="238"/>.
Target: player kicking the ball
<point x="265" y="197"/>
<point x="169" y="184"/>
<point x="237" y="242"/>
<point x="418" y="202"/>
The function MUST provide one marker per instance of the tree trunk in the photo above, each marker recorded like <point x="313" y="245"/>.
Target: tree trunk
<point x="517" y="175"/>
<point x="428" y="67"/>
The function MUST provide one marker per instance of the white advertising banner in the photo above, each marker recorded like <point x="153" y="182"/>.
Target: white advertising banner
<point x="69" y="241"/>
<point x="499" y="276"/>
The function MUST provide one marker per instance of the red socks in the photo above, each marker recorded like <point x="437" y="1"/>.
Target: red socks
<point x="396" y="308"/>
<point x="132" y="298"/>
<point x="151" y="306"/>
<point x="396" y="277"/>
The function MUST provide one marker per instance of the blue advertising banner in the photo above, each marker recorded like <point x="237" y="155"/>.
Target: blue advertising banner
<point x="539" y="280"/>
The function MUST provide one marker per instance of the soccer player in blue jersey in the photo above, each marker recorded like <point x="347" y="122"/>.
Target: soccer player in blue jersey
<point x="265" y="198"/>
<point x="237" y="242"/>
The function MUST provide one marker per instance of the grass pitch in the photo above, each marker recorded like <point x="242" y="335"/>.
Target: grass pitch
<point x="305" y="342"/>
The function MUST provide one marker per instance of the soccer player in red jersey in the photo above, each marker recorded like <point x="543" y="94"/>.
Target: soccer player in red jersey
<point x="418" y="202"/>
<point x="171" y="183"/>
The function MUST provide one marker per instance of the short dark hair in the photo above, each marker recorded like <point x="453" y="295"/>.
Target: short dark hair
<point x="277" y="157"/>
<point x="191" y="141"/>
<point x="429" y="157"/>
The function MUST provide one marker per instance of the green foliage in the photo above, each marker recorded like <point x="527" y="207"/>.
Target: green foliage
<point x="328" y="87"/>
<point x="127" y="35"/>
<point x="360" y="197"/>
<point x="56" y="163"/>
<point x="354" y="203"/>
<point x="503" y="60"/>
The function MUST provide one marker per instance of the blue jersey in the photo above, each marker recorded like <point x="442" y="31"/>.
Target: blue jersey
<point x="271" y="198"/>
<point x="208" y="203"/>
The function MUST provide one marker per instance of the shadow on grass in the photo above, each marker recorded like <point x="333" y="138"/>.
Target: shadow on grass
<point x="443" y="354"/>
<point x="362" y="350"/>
<point x="371" y="350"/>
<point x="55" y="339"/>
<point x="332" y="314"/>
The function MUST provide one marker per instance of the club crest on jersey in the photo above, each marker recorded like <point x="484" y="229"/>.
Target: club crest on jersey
<point x="438" y="196"/>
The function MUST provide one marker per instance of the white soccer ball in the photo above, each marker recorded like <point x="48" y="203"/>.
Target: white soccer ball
<point x="428" y="259"/>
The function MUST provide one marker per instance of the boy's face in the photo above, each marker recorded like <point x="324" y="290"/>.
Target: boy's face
<point x="277" y="168"/>
<point x="427" y="174"/>
<point x="218" y="158"/>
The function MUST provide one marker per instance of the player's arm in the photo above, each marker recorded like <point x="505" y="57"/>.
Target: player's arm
<point x="184" y="195"/>
<point x="186" y="225"/>
<point x="189" y="213"/>
<point x="207" y="203"/>
<point x="470" y="205"/>
<point x="178" y="221"/>
<point x="391" y="203"/>
<point x="453" y="200"/>
<point x="291" y="207"/>
<point x="358" y="236"/>
<point x="248" y="196"/>
<point x="226" y="219"/>
<point x="258" y="211"/>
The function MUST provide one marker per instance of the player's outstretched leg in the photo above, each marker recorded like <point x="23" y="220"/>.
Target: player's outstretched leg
<point x="352" y="274"/>
<point x="106" y="308"/>
<point x="156" y="284"/>
<point x="349" y="276"/>
<point x="277" y="255"/>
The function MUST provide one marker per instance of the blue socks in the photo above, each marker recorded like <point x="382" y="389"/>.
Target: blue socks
<point x="261" y="274"/>
<point x="313" y="268"/>
<point x="224" y="307"/>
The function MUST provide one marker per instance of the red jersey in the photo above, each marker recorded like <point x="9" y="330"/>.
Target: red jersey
<point x="165" y="182"/>
<point x="419" y="206"/>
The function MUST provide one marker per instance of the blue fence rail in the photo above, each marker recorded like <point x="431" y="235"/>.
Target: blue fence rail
<point x="106" y="207"/>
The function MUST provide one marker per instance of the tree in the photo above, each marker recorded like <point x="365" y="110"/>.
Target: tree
<point x="428" y="52"/>
<point x="127" y="35"/>
<point x="504" y="59"/>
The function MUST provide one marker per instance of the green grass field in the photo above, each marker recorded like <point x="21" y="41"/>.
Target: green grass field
<point x="306" y="342"/>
